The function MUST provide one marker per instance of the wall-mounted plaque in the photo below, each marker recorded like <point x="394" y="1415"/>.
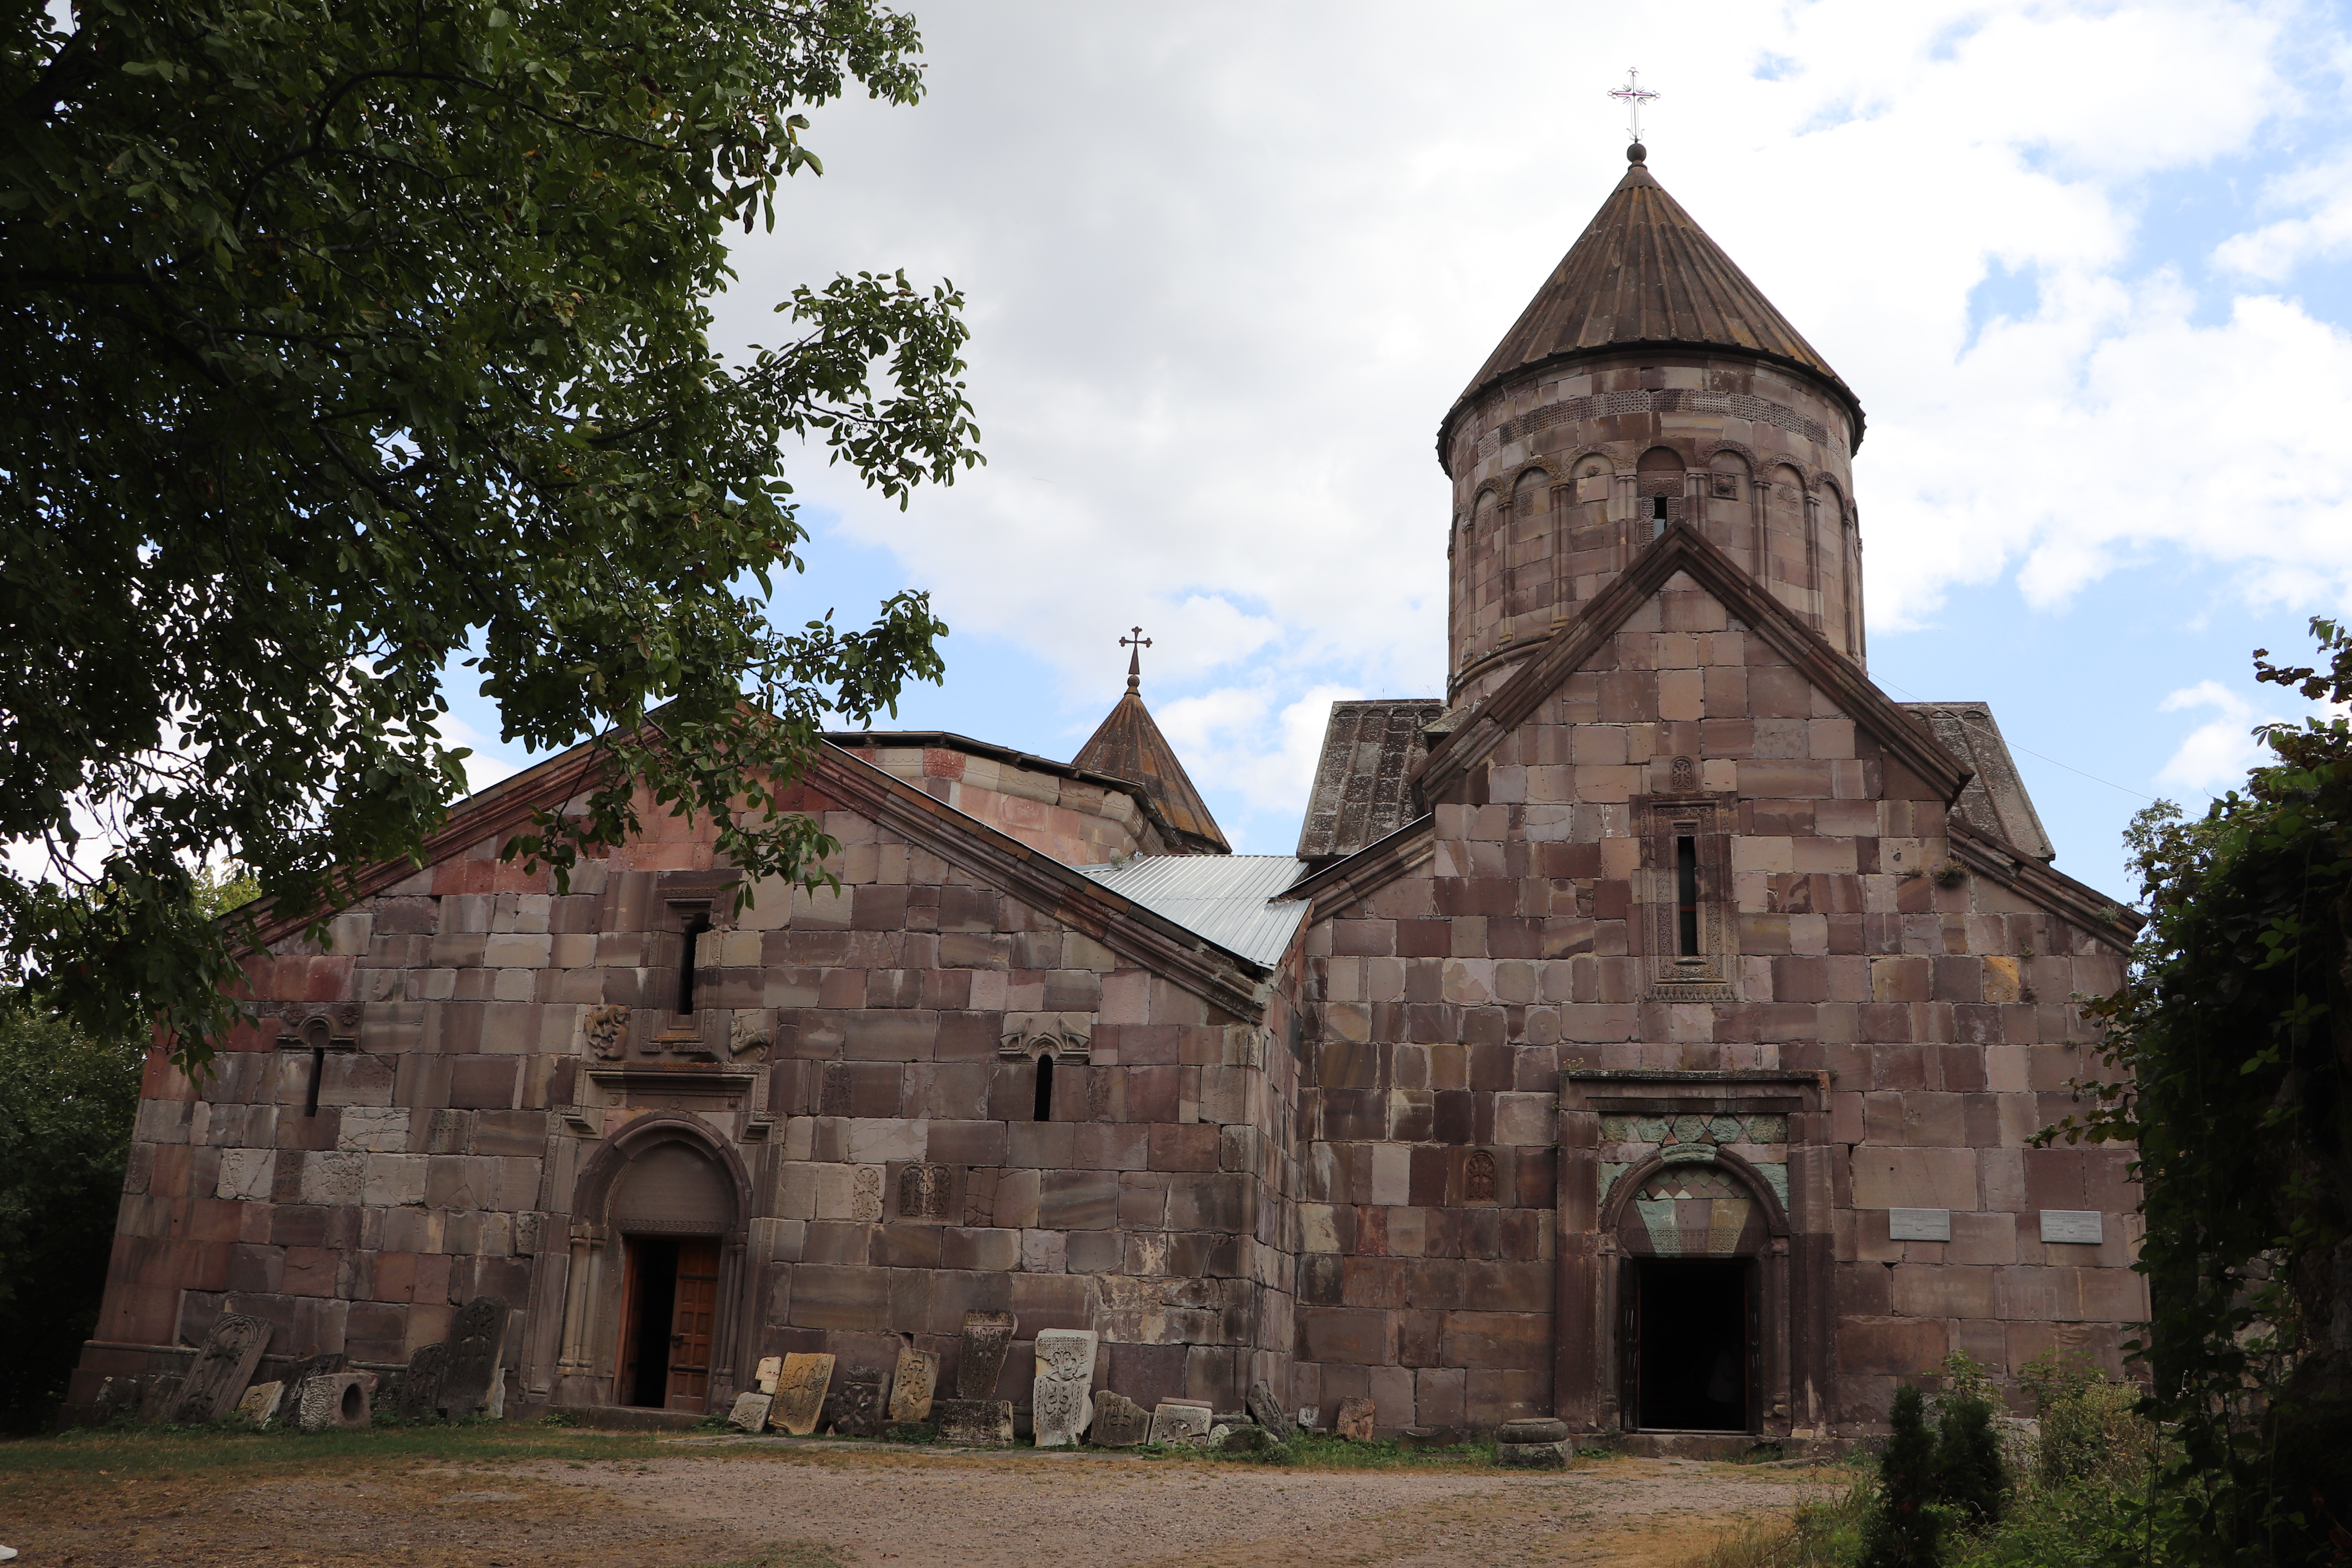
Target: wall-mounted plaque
<point x="2082" y="1226"/>
<point x="1920" y="1225"/>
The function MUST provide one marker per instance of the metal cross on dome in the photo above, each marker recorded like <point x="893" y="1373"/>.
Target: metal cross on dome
<point x="1139" y="642"/>
<point x="1633" y="95"/>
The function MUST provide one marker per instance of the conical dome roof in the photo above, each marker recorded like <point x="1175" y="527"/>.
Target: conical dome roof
<point x="1644" y="273"/>
<point x="1128" y="745"/>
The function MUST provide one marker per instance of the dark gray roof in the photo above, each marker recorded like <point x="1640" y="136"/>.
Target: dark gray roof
<point x="1363" y="791"/>
<point x="1221" y="897"/>
<point x="1994" y="801"/>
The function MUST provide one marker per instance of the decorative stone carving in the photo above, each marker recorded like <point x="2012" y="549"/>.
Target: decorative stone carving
<point x="800" y="1393"/>
<point x="1066" y="1035"/>
<point x="336" y="1401"/>
<point x="605" y="1031"/>
<point x="1176" y="1422"/>
<point x="866" y="1194"/>
<point x="223" y="1371"/>
<point x="1478" y="1177"/>
<point x="912" y="1386"/>
<point x="420" y="1391"/>
<point x="319" y="1025"/>
<point x="1267" y="1412"/>
<point x="1061" y="1400"/>
<point x="289" y="1398"/>
<point x="979" y="1358"/>
<point x="1354" y="1421"/>
<point x="976" y="1423"/>
<point x="750" y="1412"/>
<point x="857" y="1408"/>
<point x="260" y="1405"/>
<point x="926" y="1191"/>
<point x="748" y="1036"/>
<point x="1683" y="775"/>
<point x="470" y="1382"/>
<point x="1119" y="1422"/>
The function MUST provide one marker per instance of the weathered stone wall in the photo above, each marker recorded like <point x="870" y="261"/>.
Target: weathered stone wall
<point x="1555" y="479"/>
<point x="1847" y="942"/>
<point x="1077" y="822"/>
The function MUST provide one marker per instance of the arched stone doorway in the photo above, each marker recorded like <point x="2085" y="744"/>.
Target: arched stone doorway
<point x="657" y="1261"/>
<point x="1700" y="1287"/>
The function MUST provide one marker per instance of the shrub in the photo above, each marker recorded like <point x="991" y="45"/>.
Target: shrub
<point x="1905" y="1526"/>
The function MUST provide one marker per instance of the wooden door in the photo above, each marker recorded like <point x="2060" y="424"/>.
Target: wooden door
<point x="693" y="1312"/>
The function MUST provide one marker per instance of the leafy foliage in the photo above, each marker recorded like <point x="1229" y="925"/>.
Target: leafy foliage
<point x="1906" y="1525"/>
<point x="2231" y="1047"/>
<point x="67" y="1103"/>
<point x="338" y="342"/>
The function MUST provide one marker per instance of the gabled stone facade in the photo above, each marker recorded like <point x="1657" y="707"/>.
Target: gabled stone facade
<point x="1653" y="1034"/>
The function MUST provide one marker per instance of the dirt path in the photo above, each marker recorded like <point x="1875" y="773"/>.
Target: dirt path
<point x="831" y="1507"/>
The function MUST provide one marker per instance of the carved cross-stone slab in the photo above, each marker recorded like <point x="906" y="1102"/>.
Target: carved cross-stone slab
<point x="1175" y="1422"/>
<point x="750" y="1412"/>
<point x="420" y="1391"/>
<point x="925" y="1192"/>
<point x="1061" y="1401"/>
<point x="976" y="1423"/>
<point x="1119" y="1422"/>
<point x="912" y="1386"/>
<point x="470" y="1385"/>
<point x="289" y="1399"/>
<point x="260" y="1405"/>
<point x="1354" y="1421"/>
<point x="223" y="1370"/>
<point x="800" y="1393"/>
<point x="857" y="1408"/>
<point x="335" y="1402"/>
<point x="1268" y="1412"/>
<point x="979" y="1358"/>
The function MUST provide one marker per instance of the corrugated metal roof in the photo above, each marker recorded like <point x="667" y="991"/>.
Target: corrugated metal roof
<point x="1223" y="898"/>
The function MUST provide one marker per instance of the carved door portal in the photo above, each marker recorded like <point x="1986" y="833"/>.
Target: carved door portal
<point x="673" y="1302"/>
<point x="1690" y="1345"/>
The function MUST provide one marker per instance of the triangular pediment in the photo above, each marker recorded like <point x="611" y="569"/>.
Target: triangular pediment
<point x="1680" y="550"/>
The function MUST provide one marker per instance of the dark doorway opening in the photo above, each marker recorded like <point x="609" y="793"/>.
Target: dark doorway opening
<point x="1693" y="1351"/>
<point x="673" y="1296"/>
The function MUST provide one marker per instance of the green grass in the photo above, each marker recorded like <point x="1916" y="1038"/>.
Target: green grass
<point x="1825" y="1534"/>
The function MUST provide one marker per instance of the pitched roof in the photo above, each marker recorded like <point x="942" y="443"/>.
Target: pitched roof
<point x="1644" y="272"/>
<point x="1227" y="899"/>
<point x="1682" y="548"/>
<point x="1363" y="783"/>
<point x="1128" y="745"/>
<point x="1994" y="803"/>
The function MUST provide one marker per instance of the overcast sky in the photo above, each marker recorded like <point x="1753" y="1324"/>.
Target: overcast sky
<point x="2086" y="266"/>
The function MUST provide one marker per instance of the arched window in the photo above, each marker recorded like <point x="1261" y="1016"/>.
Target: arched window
<point x="1044" y="1108"/>
<point x="1658" y="482"/>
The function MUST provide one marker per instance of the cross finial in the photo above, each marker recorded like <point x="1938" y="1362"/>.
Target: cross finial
<point x="1139" y="642"/>
<point x="1633" y="95"/>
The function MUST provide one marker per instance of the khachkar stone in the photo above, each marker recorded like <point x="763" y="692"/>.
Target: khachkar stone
<point x="290" y="1401"/>
<point x="800" y="1393"/>
<point x="975" y="1423"/>
<point x="471" y="1382"/>
<point x="1119" y="1422"/>
<point x="1061" y="1403"/>
<point x="1354" y="1421"/>
<point x="750" y="1412"/>
<point x="924" y="1191"/>
<point x="420" y="1390"/>
<point x="223" y="1370"/>
<point x="260" y="1405"/>
<point x="912" y="1384"/>
<point x="1268" y="1412"/>
<point x="979" y="1358"/>
<point x="857" y="1408"/>
<point x="335" y="1402"/>
<point x="1176" y="1422"/>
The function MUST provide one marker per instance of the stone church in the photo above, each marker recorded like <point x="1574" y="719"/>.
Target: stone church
<point x="1653" y="1033"/>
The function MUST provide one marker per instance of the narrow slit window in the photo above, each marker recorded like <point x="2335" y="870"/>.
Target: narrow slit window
<point x="1686" y="896"/>
<point x="318" y="1073"/>
<point x="696" y="924"/>
<point x="1658" y="516"/>
<point x="1044" y="1108"/>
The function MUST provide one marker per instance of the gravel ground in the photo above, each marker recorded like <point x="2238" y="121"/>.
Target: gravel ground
<point x="819" y="1507"/>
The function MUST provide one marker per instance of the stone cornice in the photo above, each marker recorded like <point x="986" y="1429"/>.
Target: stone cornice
<point x="2078" y="903"/>
<point x="1368" y="870"/>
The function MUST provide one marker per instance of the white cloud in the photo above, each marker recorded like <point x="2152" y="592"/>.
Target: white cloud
<point x="486" y="766"/>
<point x="2215" y="755"/>
<point x="1238" y="739"/>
